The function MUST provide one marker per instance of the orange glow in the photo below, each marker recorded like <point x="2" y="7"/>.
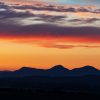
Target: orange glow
<point x="58" y="44"/>
<point x="36" y="39"/>
<point x="14" y="55"/>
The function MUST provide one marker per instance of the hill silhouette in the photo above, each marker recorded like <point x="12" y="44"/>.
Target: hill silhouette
<point x="56" y="82"/>
<point x="57" y="70"/>
<point x="86" y="70"/>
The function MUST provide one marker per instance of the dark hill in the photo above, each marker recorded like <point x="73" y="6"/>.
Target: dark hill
<point x="56" y="71"/>
<point x="86" y="70"/>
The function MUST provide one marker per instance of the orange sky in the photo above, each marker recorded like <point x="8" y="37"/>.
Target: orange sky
<point x="14" y="55"/>
<point x="63" y="34"/>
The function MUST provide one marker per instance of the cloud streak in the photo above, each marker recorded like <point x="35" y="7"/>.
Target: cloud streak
<point x="58" y="46"/>
<point x="59" y="23"/>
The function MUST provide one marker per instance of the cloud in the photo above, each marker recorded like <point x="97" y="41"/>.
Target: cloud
<point x="57" y="8"/>
<point x="68" y="46"/>
<point x="27" y="23"/>
<point x="52" y="14"/>
<point x="88" y="20"/>
<point x="64" y="45"/>
<point x="48" y="30"/>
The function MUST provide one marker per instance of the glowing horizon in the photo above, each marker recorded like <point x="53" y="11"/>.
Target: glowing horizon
<point x="42" y="35"/>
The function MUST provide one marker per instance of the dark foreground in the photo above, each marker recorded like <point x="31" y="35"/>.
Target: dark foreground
<point x="57" y="83"/>
<point x="30" y="94"/>
<point x="50" y="88"/>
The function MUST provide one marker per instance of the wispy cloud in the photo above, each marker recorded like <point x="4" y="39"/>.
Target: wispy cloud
<point x="65" y="23"/>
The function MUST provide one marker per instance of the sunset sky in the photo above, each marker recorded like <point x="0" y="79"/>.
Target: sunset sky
<point x="43" y="33"/>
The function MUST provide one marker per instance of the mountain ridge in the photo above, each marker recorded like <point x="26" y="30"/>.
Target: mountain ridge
<point x="55" y="71"/>
<point x="56" y="66"/>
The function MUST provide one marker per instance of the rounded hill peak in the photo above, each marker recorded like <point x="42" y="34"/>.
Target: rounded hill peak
<point x="59" y="67"/>
<point x="88" y="67"/>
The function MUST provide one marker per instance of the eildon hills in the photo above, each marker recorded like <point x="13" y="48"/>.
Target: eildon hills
<point x="56" y="71"/>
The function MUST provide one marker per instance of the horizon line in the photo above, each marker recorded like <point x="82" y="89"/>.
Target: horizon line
<point x="49" y="67"/>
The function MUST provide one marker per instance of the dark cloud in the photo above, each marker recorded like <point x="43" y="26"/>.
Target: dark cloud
<point x="58" y="8"/>
<point x="88" y="20"/>
<point x="41" y="7"/>
<point x="3" y="5"/>
<point x="49" y="7"/>
<point x="50" y="18"/>
<point x="15" y="28"/>
<point x="83" y="9"/>
<point x="12" y="14"/>
<point x="45" y="30"/>
<point x="58" y="46"/>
